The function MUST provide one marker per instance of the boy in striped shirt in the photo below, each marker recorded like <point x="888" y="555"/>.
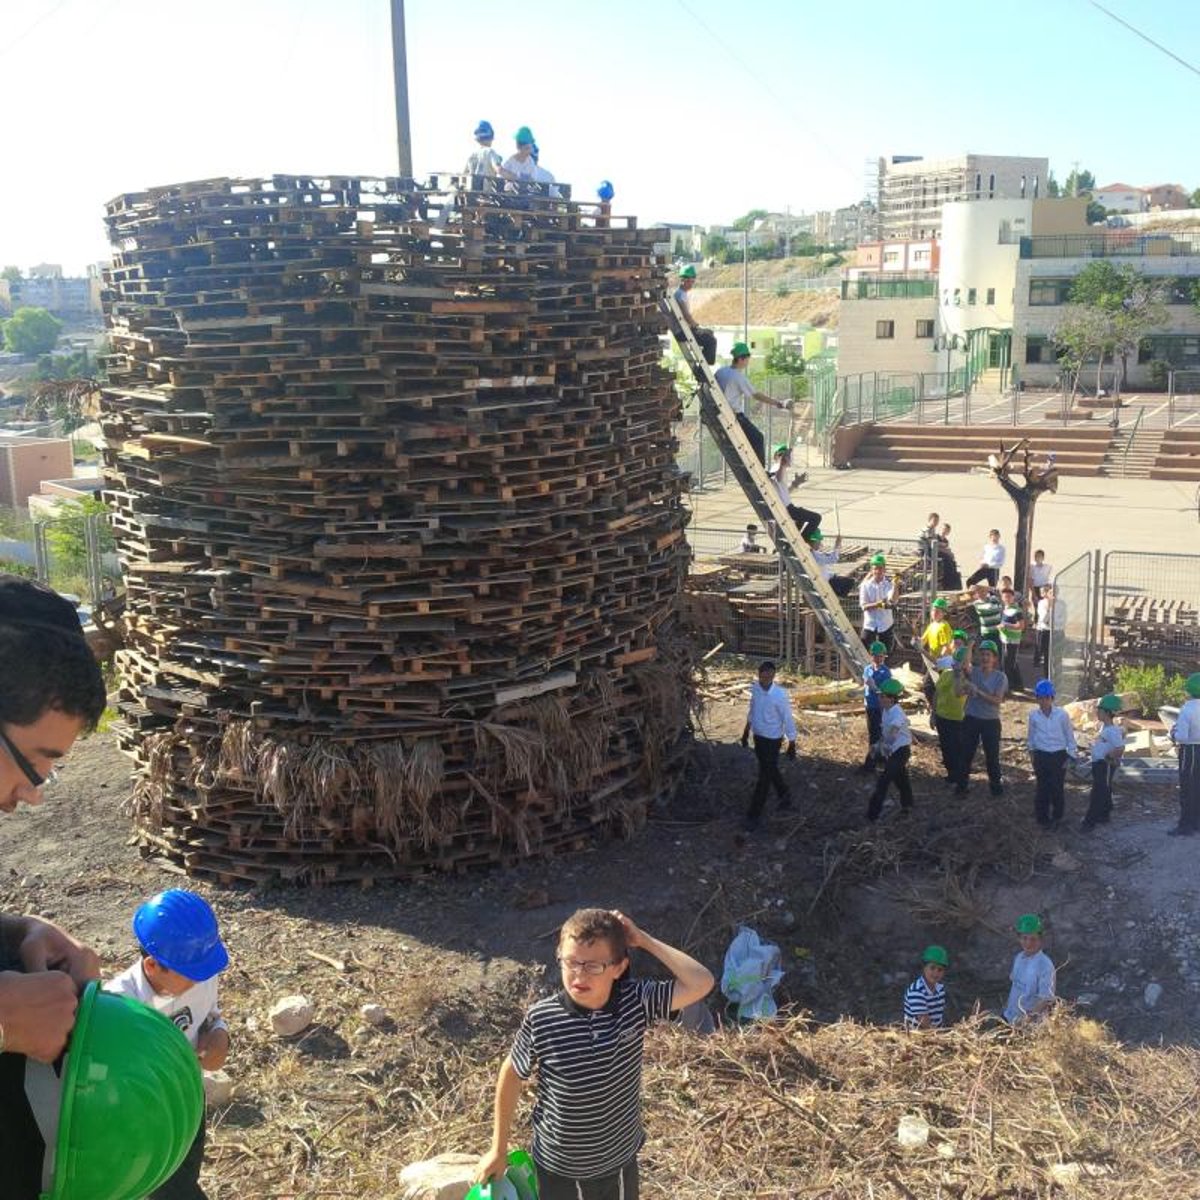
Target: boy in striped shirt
<point x="925" y="998"/>
<point x="586" y="1043"/>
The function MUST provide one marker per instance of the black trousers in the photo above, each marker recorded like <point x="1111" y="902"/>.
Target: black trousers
<point x="621" y="1186"/>
<point x="991" y="574"/>
<point x="895" y="770"/>
<point x="1012" y="668"/>
<point x="950" y="576"/>
<point x="708" y="344"/>
<point x="1041" y="650"/>
<point x="976" y="730"/>
<point x="842" y="585"/>
<point x="185" y="1183"/>
<point x="886" y="636"/>
<point x="950" y="743"/>
<point x="874" y="730"/>
<point x="1100" y="805"/>
<point x="1050" y="770"/>
<point x="766" y="750"/>
<point x="806" y="520"/>
<point x="1189" y="786"/>
<point x="755" y="437"/>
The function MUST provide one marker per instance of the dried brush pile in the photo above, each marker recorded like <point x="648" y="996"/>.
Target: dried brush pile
<point x="394" y="486"/>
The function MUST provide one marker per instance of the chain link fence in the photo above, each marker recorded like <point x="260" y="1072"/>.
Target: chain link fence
<point x="73" y="553"/>
<point x="1149" y="611"/>
<point x="1072" y="637"/>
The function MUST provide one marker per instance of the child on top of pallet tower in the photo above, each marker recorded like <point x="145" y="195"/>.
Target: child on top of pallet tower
<point x="807" y="521"/>
<point x="738" y="389"/>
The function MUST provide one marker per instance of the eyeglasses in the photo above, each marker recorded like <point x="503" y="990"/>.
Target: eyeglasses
<point x="575" y="967"/>
<point x="24" y="765"/>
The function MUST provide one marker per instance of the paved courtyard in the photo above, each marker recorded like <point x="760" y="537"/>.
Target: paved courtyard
<point x="1085" y="514"/>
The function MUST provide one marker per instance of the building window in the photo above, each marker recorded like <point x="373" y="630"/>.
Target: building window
<point x="924" y="329"/>
<point x="957" y="297"/>
<point x="1040" y="350"/>
<point x="991" y="295"/>
<point x="891" y="256"/>
<point x="1049" y="291"/>
<point x="920" y="256"/>
<point x="1022" y="187"/>
<point x="992" y="182"/>
<point x="1177" y="350"/>
<point x="885" y="329"/>
<point x="970" y="295"/>
<point x="978" y="182"/>
<point x="945" y="297"/>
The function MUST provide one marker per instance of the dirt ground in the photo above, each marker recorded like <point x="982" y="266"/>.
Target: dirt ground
<point x="339" y="1110"/>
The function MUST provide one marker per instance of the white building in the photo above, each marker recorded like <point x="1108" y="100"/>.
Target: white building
<point x="1121" y="197"/>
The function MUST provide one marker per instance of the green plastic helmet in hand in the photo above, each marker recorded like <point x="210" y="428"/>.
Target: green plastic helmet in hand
<point x="132" y="1100"/>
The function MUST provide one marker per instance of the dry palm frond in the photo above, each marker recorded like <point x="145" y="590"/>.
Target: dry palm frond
<point x="239" y="751"/>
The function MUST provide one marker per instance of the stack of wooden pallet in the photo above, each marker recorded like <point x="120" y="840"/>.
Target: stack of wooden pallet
<point x="1144" y="630"/>
<point x="393" y="480"/>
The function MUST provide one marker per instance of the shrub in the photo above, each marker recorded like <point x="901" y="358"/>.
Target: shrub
<point x="1153" y="685"/>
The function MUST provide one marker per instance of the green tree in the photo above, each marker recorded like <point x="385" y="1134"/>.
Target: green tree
<point x="784" y="360"/>
<point x="1052" y="188"/>
<point x="67" y="538"/>
<point x="31" y="331"/>
<point x="716" y="246"/>
<point x="1194" y="199"/>
<point x="1103" y="286"/>
<point x="1096" y="212"/>
<point x="1083" y="334"/>
<point x="747" y="222"/>
<point x="1079" y="183"/>
<point x="12" y="274"/>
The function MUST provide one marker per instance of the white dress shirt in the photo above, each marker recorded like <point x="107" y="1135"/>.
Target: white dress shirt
<point x="826" y="560"/>
<point x="1186" y="730"/>
<point x="993" y="555"/>
<point x="737" y="388"/>
<point x="1040" y="574"/>
<point x="895" y="731"/>
<point x="877" y="620"/>
<point x="1051" y="732"/>
<point x="771" y="712"/>
<point x="521" y="170"/>
<point x="1110" y="738"/>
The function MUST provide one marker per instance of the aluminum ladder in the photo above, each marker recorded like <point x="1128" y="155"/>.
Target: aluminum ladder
<point x="770" y="509"/>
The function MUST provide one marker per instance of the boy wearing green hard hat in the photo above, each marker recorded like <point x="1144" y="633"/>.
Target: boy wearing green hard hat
<point x="736" y="385"/>
<point x="985" y="687"/>
<point x="875" y="675"/>
<point x="896" y="741"/>
<point x="1185" y="733"/>
<point x="176" y="975"/>
<point x="827" y="558"/>
<point x="52" y="691"/>
<point x="521" y="166"/>
<point x="706" y="337"/>
<point x="925" y="997"/>
<point x="585" y="1044"/>
<point x="875" y="597"/>
<point x="805" y="520"/>
<point x="1032" y="976"/>
<point x="1107" y="748"/>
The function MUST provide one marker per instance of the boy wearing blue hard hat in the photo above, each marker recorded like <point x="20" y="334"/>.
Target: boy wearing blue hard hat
<point x="182" y="955"/>
<point x="1051" y="743"/>
<point x="484" y="161"/>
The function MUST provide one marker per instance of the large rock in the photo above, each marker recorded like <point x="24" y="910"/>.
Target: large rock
<point x="218" y="1089"/>
<point x="291" y="1015"/>
<point x="447" y="1177"/>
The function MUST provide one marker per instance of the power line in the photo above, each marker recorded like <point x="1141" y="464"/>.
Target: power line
<point x="30" y="28"/>
<point x="1146" y="38"/>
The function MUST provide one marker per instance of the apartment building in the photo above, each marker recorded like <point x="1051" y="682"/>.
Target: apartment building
<point x="913" y="191"/>
<point x="1121" y="198"/>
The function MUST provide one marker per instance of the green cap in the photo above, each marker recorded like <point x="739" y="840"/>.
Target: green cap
<point x="1029" y="923"/>
<point x="815" y="535"/>
<point x="891" y="687"/>
<point x="131" y="1102"/>
<point x="877" y="648"/>
<point x="988" y="644"/>
<point x="1109" y="703"/>
<point x="960" y="635"/>
<point x="782" y="448"/>
<point x="688" y="272"/>
<point x="1192" y="684"/>
<point x="524" y="136"/>
<point x="740" y="350"/>
<point x="877" y="560"/>
<point x="941" y="602"/>
<point x="936" y="954"/>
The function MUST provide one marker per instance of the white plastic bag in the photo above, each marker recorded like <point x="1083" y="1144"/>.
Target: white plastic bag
<point x="752" y="969"/>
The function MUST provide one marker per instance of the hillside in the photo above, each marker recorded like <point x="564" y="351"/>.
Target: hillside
<point x="767" y="272"/>
<point x="724" y="307"/>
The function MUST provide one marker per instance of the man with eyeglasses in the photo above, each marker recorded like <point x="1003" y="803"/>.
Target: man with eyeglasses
<point x="51" y="690"/>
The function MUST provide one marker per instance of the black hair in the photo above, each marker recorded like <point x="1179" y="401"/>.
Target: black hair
<point x="45" y="661"/>
<point x="765" y="665"/>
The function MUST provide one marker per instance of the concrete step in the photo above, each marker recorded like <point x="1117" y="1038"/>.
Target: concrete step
<point x="868" y="462"/>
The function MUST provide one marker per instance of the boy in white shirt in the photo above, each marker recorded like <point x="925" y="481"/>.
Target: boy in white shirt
<point x="1185" y="733"/>
<point x="1107" y="749"/>
<point x="483" y="161"/>
<point x="182" y="955"/>
<point x="770" y="720"/>
<point x="897" y="746"/>
<point x="1051" y="742"/>
<point x="1032" y="975"/>
<point x="749" y="545"/>
<point x="1040" y="575"/>
<point x="736" y="385"/>
<point x="991" y="559"/>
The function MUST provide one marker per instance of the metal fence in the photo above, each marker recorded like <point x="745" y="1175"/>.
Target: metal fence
<point x="72" y="553"/>
<point x="1072" y="639"/>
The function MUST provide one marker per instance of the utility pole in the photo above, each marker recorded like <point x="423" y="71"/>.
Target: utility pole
<point x="400" y="77"/>
<point x="746" y="286"/>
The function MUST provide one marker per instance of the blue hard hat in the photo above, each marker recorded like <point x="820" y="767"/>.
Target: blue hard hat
<point x="179" y="930"/>
<point x="484" y="130"/>
<point x="605" y="190"/>
<point x="1043" y="687"/>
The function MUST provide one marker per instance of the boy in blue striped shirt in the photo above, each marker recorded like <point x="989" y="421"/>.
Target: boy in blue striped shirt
<point x="925" y="998"/>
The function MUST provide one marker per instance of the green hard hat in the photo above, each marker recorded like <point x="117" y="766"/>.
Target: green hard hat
<point x="988" y="644"/>
<point x="131" y="1103"/>
<point x="1192" y="684"/>
<point x="1109" y="703"/>
<point x="941" y="602"/>
<point x="877" y="648"/>
<point x="960" y="635"/>
<point x="688" y="272"/>
<point x="740" y="350"/>
<point x="815" y="535"/>
<point x="877" y="560"/>
<point x="524" y="136"/>
<point x="891" y="687"/>
<point x="519" y="1181"/>
<point x="936" y="954"/>
<point x="782" y="448"/>
<point x="1029" y="923"/>
<point x="960" y="654"/>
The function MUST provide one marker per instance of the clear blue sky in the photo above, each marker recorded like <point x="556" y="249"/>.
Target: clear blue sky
<point x="697" y="110"/>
